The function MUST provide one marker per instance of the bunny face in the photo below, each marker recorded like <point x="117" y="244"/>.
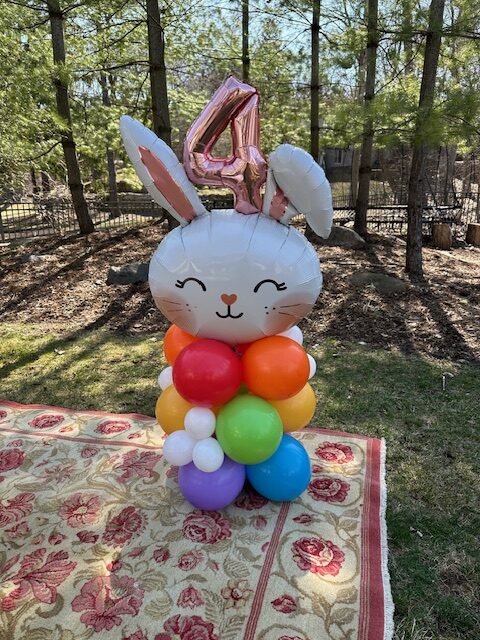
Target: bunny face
<point x="235" y="278"/>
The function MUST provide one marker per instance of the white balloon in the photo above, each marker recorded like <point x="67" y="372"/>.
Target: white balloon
<point x="302" y="181"/>
<point x="294" y="333"/>
<point x="208" y="455"/>
<point x="313" y="366"/>
<point x="165" y="378"/>
<point x="225" y="275"/>
<point x="136" y="138"/>
<point x="200" y="423"/>
<point x="178" y="448"/>
<point x="235" y="278"/>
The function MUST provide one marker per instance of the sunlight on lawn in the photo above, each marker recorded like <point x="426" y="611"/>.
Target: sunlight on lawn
<point x="431" y="435"/>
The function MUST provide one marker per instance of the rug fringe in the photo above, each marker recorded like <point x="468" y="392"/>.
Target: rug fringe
<point x="388" y="600"/>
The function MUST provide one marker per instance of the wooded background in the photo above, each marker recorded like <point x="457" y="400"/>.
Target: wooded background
<point x="393" y="83"/>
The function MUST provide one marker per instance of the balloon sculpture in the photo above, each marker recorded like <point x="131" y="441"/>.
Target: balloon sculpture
<point x="234" y="283"/>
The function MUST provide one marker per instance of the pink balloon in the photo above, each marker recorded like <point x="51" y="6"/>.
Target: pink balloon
<point x="245" y="170"/>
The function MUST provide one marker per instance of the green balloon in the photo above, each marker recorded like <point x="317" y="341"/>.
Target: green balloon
<point x="249" y="429"/>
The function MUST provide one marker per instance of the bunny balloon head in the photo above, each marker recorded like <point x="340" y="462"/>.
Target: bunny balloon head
<point x="242" y="274"/>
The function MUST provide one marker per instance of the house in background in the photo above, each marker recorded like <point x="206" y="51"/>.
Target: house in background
<point x="338" y="163"/>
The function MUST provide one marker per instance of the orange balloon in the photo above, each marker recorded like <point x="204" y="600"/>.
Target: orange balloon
<point x="170" y="410"/>
<point x="216" y="409"/>
<point x="275" y="368"/>
<point x="297" y="411"/>
<point x="176" y="340"/>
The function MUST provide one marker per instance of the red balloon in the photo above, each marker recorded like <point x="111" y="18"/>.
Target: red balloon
<point x="207" y="373"/>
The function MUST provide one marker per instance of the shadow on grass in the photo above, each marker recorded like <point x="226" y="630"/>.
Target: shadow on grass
<point x="375" y="326"/>
<point x="115" y="308"/>
<point x="31" y="289"/>
<point x="431" y="435"/>
<point x="90" y="370"/>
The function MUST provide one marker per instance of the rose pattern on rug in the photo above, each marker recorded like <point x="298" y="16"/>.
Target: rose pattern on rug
<point x="37" y="576"/>
<point x="285" y="604"/>
<point x="187" y="628"/>
<point x="206" y="527"/>
<point x="97" y="539"/>
<point x="328" y="489"/>
<point x="112" y="426"/>
<point x="236" y="594"/>
<point x="334" y="452"/>
<point x="104" y="600"/>
<point x="318" y="556"/>
<point x="11" y="459"/>
<point x="80" y="509"/>
<point x="190" y="598"/>
<point x="120" y="529"/>
<point x="46" y="421"/>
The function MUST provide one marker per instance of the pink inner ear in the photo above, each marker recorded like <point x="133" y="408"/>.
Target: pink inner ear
<point x="166" y="184"/>
<point x="278" y="204"/>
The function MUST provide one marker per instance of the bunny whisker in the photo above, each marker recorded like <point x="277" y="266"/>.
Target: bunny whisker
<point x="286" y="306"/>
<point x="170" y="301"/>
<point x="282" y="313"/>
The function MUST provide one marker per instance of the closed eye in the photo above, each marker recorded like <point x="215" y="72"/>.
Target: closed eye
<point x="181" y="283"/>
<point x="281" y="286"/>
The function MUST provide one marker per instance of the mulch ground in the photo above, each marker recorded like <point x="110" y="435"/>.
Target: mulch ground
<point x="62" y="282"/>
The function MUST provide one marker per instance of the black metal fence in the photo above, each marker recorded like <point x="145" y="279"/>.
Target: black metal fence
<point x="37" y="217"/>
<point x="51" y="217"/>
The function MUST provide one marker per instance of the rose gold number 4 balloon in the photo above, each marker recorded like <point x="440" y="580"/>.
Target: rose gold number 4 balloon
<point x="244" y="171"/>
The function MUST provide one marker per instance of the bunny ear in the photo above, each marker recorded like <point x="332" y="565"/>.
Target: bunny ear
<point x="160" y="171"/>
<point x="275" y="202"/>
<point x="297" y="184"/>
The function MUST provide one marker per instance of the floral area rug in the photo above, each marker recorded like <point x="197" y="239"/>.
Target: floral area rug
<point x="97" y="541"/>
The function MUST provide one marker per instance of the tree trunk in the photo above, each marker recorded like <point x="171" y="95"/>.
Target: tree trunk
<point x="245" y="42"/>
<point x="45" y="178"/>
<point x="365" y="172"/>
<point x="158" y="74"/>
<point x="112" y="175"/>
<point x="467" y="171"/>
<point x="315" y="82"/>
<point x="33" y="180"/>
<point x="442" y="235"/>
<point x="158" y="81"/>
<point x="407" y="33"/>
<point x="447" y="173"/>
<point x="356" y="150"/>
<point x="416" y="186"/>
<point x="473" y="234"/>
<point x="75" y="185"/>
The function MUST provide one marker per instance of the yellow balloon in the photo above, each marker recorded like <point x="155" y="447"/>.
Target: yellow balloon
<point x="297" y="411"/>
<point x="171" y="409"/>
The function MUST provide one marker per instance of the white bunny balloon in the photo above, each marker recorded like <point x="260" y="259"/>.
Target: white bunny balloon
<point x="231" y="276"/>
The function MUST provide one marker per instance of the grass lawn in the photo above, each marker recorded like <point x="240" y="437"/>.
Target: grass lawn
<point x="433" y="448"/>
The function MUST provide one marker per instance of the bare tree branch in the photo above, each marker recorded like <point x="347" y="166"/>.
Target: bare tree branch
<point x="44" y="153"/>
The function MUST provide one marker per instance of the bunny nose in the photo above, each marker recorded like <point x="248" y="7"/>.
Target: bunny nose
<point x="228" y="299"/>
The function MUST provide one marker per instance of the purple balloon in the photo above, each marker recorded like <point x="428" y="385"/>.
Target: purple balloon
<point x="212" y="491"/>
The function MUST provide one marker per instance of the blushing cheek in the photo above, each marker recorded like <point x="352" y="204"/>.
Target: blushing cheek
<point x="285" y="313"/>
<point x="178" y="310"/>
<point x="275" y="323"/>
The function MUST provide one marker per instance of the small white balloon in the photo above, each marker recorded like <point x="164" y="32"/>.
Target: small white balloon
<point x="208" y="455"/>
<point x="165" y="378"/>
<point x="178" y="448"/>
<point x="200" y="423"/>
<point x="313" y="366"/>
<point x="294" y="333"/>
